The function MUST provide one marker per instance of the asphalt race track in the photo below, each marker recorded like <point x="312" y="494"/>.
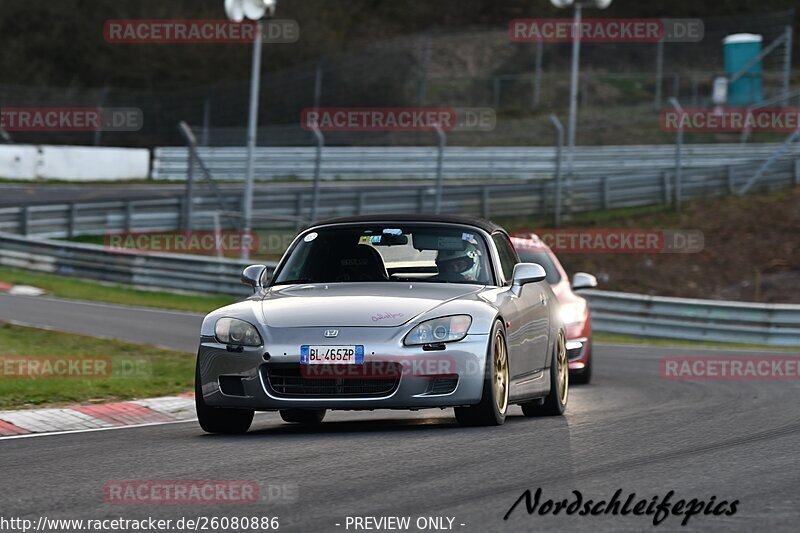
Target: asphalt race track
<point x="630" y="429"/>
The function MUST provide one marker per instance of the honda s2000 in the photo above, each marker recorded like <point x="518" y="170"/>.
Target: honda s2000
<point x="386" y="312"/>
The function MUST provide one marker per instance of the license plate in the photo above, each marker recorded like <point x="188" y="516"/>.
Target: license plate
<point x="331" y="355"/>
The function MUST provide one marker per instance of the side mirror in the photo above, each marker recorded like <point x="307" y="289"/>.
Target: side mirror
<point x="582" y="280"/>
<point x="252" y="275"/>
<point x="528" y="273"/>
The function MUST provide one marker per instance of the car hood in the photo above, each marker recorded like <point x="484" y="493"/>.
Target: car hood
<point x="356" y="304"/>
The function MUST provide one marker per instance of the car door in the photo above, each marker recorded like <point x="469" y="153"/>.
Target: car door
<point x="528" y="334"/>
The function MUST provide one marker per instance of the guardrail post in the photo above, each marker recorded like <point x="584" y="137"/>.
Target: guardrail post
<point x="606" y="192"/>
<point x="543" y="200"/>
<point x="731" y="179"/>
<point x="72" y="220"/>
<point x="485" y="202"/>
<point x="24" y="220"/>
<point x="421" y="201"/>
<point x="129" y="216"/>
<point x="317" y="171"/>
<point x="797" y="172"/>
<point x="298" y="207"/>
<point x="361" y="200"/>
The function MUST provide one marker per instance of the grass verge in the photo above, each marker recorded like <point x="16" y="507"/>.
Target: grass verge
<point x="652" y="341"/>
<point x="65" y="287"/>
<point x="123" y="370"/>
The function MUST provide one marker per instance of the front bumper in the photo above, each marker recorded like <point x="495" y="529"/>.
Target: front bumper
<point x="578" y="352"/>
<point x="270" y="378"/>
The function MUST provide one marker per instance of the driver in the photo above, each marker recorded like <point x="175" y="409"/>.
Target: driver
<point x="458" y="265"/>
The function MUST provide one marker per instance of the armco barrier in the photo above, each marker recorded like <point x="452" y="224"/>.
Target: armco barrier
<point x="146" y="270"/>
<point x="395" y="162"/>
<point x="484" y="199"/>
<point x="695" y="320"/>
<point x="613" y="312"/>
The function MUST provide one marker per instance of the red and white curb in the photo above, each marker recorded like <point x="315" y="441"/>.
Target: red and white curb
<point x="98" y="416"/>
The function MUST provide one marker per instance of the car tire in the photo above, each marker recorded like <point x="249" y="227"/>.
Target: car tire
<point x="303" y="416"/>
<point x="583" y="376"/>
<point x="219" y="419"/>
<point x="555" y="403"/>
<point x="492" y="409"/>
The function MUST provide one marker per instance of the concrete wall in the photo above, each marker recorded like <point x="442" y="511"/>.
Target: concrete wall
<point x="73" y="163"/>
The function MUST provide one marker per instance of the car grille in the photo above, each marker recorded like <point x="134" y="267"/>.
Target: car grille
<point x="443" y="385"/>
<point x="288" y="381"/>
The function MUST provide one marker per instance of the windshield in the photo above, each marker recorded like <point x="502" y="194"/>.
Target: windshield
<point x="533" y="256"/>
<point x="370" y="253"/>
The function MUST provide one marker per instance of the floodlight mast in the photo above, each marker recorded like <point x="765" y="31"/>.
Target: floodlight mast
<point x="575" y="72"/>
<point x="255" y="10"/>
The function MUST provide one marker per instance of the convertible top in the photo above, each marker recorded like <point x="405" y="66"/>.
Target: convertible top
<point x="485" y="225"/>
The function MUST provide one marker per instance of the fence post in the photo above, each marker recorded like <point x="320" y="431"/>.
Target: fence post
<point x="606" y="193"/>
<point x="440" y="168"/>
<point x="559" y="145"/>
<point x="24" y="220"/>
<point x="659" y="74"/>
<point x="678" y="149"/>
<point x="537" y="80"/>
<point x="72" y="221"/>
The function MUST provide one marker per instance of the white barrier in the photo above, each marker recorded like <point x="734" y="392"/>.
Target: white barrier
<point x="73" y="163"/>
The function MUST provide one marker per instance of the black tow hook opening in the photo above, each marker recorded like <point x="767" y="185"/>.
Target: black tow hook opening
<point x="434" y="347"/>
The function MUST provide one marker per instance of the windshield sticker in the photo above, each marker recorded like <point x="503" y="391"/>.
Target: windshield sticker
<point x="311" y="236"/>
<point x="369" y="239"/>
<point x="469" y="237"/>
<point x="449" y="243"/>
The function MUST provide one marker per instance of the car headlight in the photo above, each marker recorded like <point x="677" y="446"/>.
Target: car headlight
<point x="573" y="312"/>
<point x="445" y="329"/>
<point x="237" y="332"/>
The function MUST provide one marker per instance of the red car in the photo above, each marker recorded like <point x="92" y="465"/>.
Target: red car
<point x="574" y="308"/>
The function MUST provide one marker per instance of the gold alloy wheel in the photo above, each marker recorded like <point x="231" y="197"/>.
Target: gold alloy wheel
<point x="563" y="370"/>
<point x="500" y="373"/>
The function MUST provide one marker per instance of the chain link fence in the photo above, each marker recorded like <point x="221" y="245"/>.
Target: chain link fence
<point x="620" y="89"/>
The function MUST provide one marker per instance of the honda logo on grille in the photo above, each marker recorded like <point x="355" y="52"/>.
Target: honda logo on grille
<point x="330" y="333"/>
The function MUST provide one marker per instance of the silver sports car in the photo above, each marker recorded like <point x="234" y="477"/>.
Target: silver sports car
<point x="386" y="312"/>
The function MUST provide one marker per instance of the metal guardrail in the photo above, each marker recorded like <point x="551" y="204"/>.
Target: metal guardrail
<point x="530" y="198"/>
<point x="174" y="272"/>
<point x="228" y="163"/>
<point x="613" y="312"/>
<point x="695" y="320"/>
